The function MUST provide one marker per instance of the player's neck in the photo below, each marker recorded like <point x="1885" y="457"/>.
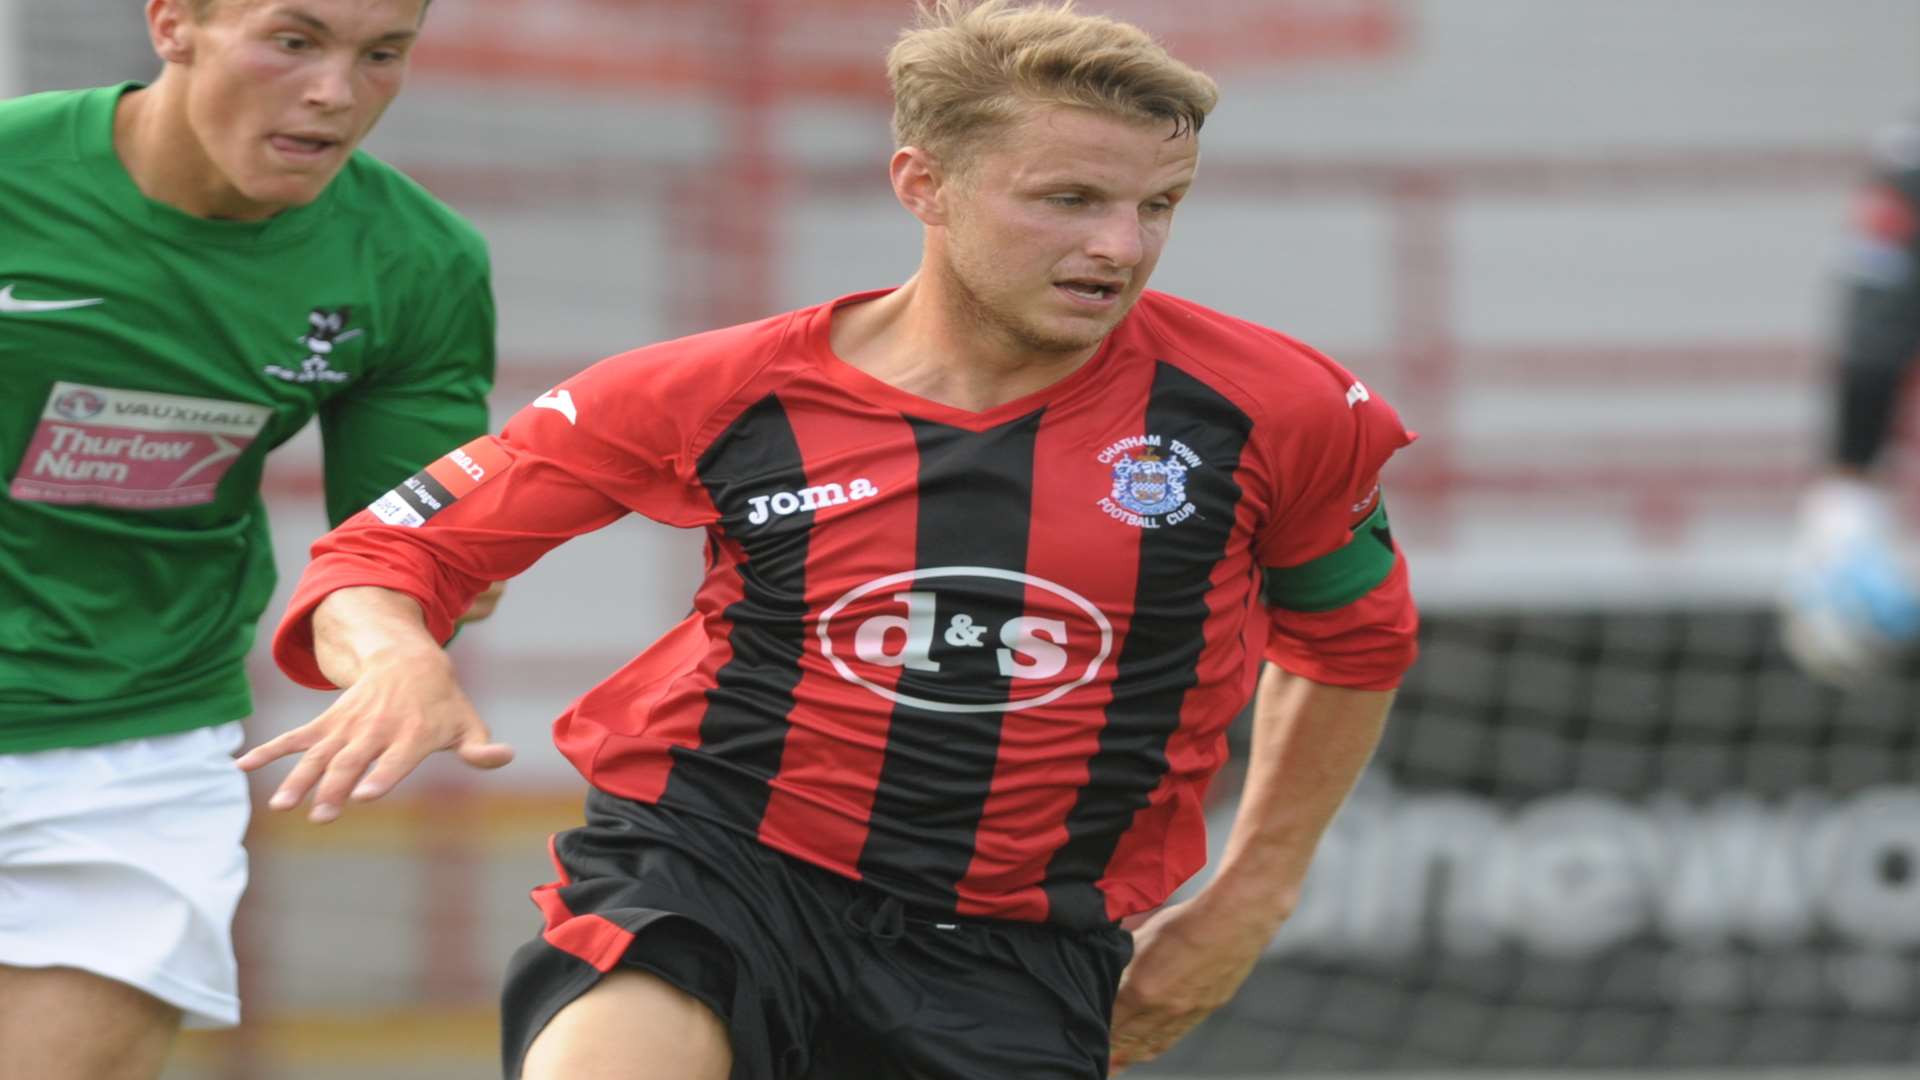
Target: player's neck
<point x="158" y="148"/>
<point x="914" y="340"/>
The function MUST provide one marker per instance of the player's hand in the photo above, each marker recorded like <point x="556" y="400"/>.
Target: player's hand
<point x="1185" y="965"/>
<point x="404" y="706"/>
<point x="1848" y="609"/>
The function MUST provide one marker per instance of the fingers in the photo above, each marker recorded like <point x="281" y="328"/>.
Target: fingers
<point x="484" y="755"/>
<point x="1124" y="1043"/>
<point x="333" y="773"/>
<point x="397" y="762"/>
<point x="388" y="769"/>
<point x="1136" y="1047"/>
<point x="1142" y="1028"/>
<point x="342" y="775"/>
<point x="350" y="755"/>
<point x="397" y="712"/>
<point x="292" y="742"/>
<point x="307" y="772"/>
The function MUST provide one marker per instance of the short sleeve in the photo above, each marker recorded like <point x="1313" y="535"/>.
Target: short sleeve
<point x="1334" y="581"/>
<point x="428" y="394"/>
<point x="1324" y="465"/>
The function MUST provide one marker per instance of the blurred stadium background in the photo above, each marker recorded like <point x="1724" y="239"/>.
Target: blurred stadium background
<point x="1586" y="248"/>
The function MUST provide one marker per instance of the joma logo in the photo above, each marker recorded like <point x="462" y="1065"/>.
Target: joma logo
<point x="764" y="508"/>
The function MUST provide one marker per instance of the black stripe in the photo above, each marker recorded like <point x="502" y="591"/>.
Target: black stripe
<point x="1157" y="663"/>
<point x="975" y="497"/>
<point x="425" y="494"/>
<point x="744" y="731"/>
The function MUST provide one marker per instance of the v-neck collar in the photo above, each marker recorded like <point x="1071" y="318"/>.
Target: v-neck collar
<point x="819" y="343"/>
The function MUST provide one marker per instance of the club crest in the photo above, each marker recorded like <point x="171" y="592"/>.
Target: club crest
<point x="1149" y="481"/>
<point x="1149" y="484"/>
<point x="326" y="329"/>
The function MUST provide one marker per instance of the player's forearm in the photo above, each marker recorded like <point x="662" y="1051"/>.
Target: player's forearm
<point x="355" y="626"/>
<point x="1310" y="743"/>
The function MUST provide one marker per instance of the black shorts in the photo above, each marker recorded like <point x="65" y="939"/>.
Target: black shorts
<point x="818" y="977"/>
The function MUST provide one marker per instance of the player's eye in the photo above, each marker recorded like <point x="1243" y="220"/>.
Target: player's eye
<point x="1067" y="199"/>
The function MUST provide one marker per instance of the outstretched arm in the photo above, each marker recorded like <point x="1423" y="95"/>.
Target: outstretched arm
<point x="402" y="703"/>
<point x="1310" y="742"/>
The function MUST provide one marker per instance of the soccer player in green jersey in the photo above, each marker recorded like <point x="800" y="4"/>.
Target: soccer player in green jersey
<point x="191" y="270"/>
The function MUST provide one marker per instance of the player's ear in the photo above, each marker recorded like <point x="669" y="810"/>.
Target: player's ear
<point x="170" y="23"/>
<point x="918" y="182"/>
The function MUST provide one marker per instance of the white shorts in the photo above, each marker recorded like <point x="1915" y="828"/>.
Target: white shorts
<point x="125" y="860"/>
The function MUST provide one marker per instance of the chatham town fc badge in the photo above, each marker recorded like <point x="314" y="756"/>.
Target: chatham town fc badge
<point x="1149" y="481"/>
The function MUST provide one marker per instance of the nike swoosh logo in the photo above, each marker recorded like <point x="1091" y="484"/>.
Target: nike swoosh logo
<point x="11" y="306"/>
<point x="560" y="401"/>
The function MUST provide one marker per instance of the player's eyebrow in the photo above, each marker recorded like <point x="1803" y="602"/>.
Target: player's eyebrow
<point x="319" y="25"/>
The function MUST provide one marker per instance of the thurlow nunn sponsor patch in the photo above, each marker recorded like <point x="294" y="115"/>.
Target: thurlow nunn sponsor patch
<point x="133" y="449"/>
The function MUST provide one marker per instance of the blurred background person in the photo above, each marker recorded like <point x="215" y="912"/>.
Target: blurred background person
<point x="1851" y="609"/>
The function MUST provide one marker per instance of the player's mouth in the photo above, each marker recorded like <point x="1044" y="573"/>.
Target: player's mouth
<point x="304" y="147"/>
<point x="1090" y="291"/>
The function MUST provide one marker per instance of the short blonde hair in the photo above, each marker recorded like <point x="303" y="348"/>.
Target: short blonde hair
<point x="201" y="8"/>
<point x="968" y="68"/>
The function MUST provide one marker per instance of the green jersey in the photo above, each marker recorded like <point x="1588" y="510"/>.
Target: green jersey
<point x="150" y="361"/>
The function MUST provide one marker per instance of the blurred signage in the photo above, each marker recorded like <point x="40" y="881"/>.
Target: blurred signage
<point x="833" y="48"/>
<point x="1732" y="889"/>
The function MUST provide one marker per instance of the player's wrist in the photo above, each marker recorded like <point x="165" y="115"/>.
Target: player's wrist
<point x="1240" y="903"/>
<point x="416" y="658"/>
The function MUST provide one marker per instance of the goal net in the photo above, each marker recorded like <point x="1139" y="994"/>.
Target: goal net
<point x="1607" y="841"/>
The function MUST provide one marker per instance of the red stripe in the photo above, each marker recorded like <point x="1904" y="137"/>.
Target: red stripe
<point x="592" y="938"/>
<point x="621" y="733"/>
<point x="835" y="750"/>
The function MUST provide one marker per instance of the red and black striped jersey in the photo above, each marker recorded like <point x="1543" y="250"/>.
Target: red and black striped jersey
<point x="984" y="661"/>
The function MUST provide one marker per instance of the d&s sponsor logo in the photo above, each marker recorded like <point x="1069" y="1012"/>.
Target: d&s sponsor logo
<point x="892" y="622"/>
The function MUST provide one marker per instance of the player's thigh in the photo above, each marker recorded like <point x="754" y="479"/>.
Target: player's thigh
<point x="631" y="1026"/>
<point x="60" y="1023"/>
